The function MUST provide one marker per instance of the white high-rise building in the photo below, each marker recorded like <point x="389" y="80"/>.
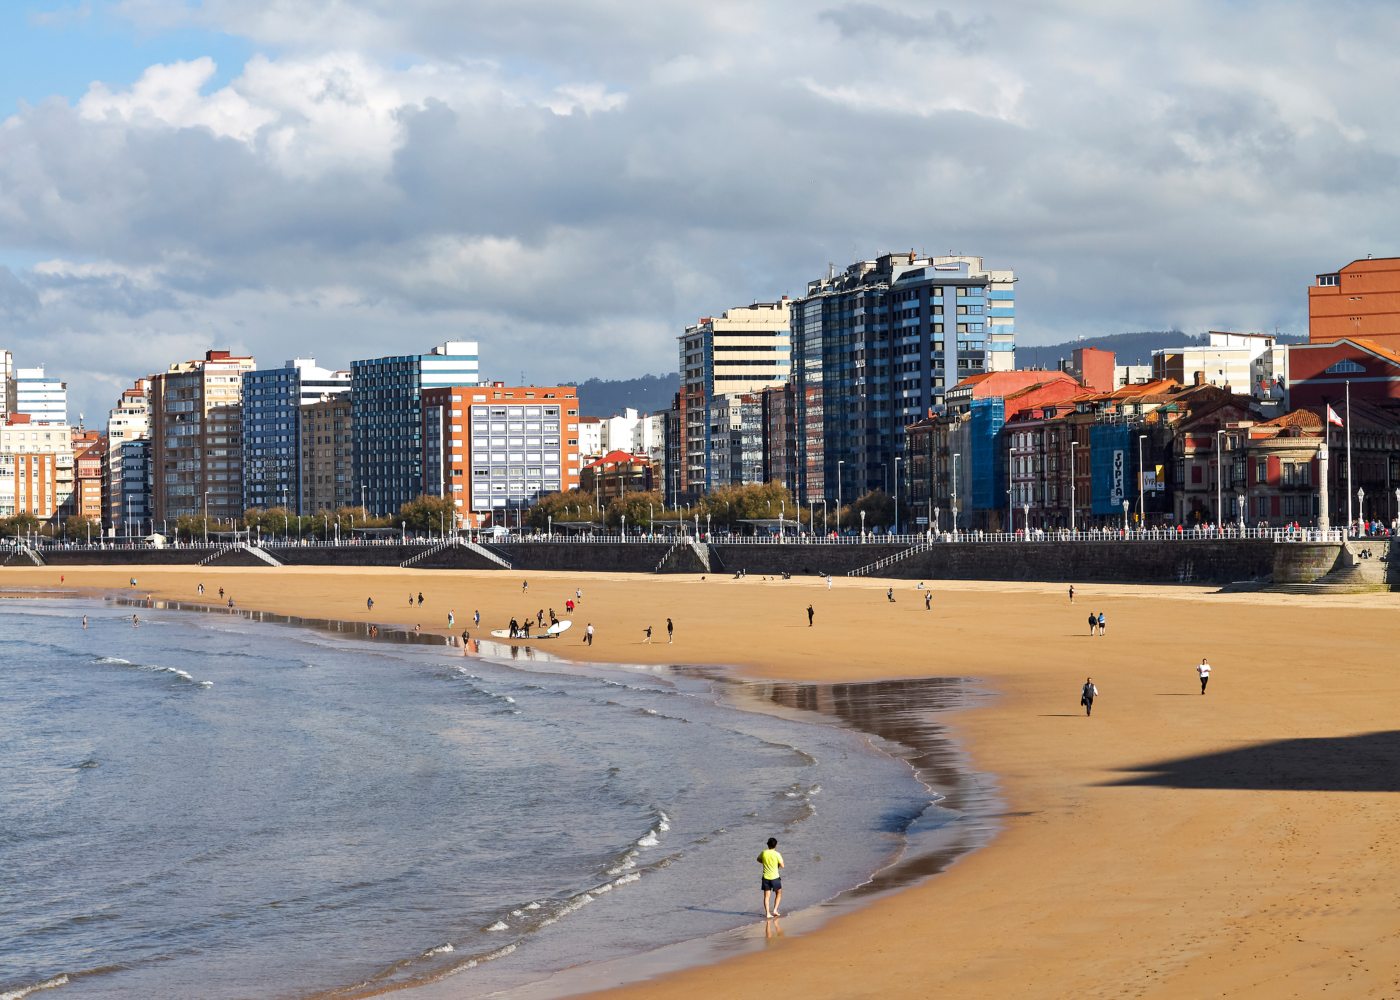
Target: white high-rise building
<point x="127" y="493"/>
<point x="45" y="399"/>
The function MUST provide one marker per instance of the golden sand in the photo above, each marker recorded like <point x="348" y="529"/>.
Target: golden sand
<point x="1239" y="844"/>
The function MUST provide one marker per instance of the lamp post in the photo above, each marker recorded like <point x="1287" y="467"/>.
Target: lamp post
<point x="811" y="515"/>
<point x="1239" y="503"/>
<point x="1219" y="476"/>
<point x="1010" y="517"/>
<point x="1026" y="520"/>
<point x="937" y="516"/>
<point x="1142" y="482"/>
<point x="624" y="527"/>
<point x="862" y="525"/>
<point x="651" y="519"/>
<point x="1360" y="506"/>
<point x="707" y="527"/>
<point x="206" y="517"/>
<point x="363" y="506"/>
<point x="956" y="456"/>
<point x="697" y="527"/>
<point x="1072" y="470"/>
<point x="550" y="519"/>
<point x="838" y="494"/>
<point x="896" y="495"/>
<point x="1125" y="517"/>
<point x="824" y="513"/>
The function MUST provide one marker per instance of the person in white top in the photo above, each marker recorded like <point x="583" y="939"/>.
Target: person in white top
<point x="1203" y="672"/>
<point x="1087" y="694"/>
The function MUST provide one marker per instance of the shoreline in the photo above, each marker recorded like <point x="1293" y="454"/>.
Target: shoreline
<point x="1173" y="845"/>
<point x="898" y="719"/>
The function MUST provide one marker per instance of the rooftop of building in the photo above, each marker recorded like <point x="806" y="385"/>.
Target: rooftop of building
<point x="617" y="458"/>
<point x="1006" y="383"/>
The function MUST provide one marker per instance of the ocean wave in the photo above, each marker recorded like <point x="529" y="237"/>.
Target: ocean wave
<point x="499" y="925"/>
<point x="153" y="668"/>
<point x="442" y="949"/>
<point x="572" y="906"/>
<point x="24" y="991"/>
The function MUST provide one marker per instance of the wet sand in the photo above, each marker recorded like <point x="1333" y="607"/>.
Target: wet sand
<point x="1236" y="844"/>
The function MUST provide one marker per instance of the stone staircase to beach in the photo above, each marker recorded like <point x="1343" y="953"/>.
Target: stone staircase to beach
<point x="23" y="552"/>
<point x="872" y="568"/>
<point x="1367" y="566"/>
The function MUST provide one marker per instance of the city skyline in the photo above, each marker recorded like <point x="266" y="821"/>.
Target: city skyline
<point x="584" y="186"/>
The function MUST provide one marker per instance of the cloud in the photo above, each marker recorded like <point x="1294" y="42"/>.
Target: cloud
<point x="572" y="187"/>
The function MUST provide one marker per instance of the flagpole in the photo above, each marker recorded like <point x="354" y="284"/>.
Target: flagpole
<point x="1349" y="520"/>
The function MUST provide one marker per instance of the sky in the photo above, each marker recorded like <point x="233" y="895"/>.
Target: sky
<point x="571" y="184"/>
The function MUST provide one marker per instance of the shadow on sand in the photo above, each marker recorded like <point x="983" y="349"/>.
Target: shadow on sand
<point x="1366" y="763"/>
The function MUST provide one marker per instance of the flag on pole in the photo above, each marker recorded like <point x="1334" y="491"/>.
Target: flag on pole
<point x="1332" y="417"/>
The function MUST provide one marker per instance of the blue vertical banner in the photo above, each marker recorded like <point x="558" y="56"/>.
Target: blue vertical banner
<point x="1110" y="479"/>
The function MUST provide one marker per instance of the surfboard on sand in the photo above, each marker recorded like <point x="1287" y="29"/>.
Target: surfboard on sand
<point x="553" y="632"/>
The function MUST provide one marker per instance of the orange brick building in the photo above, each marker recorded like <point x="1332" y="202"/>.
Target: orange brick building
<point x="1360" y="300"/>
<point x="496" y="449"/>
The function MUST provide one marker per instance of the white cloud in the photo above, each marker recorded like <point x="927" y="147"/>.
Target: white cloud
<point x="571" y="186"/>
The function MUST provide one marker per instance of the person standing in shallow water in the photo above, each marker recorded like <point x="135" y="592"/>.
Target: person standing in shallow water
<point x="1087" y="695"/>
<point x="772" y="881"/>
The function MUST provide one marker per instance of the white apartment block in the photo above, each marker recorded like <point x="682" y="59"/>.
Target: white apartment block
<point x="129" y="420"/>
<point x="45" y="399"/>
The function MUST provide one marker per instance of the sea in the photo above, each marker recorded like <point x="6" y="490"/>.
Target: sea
<point x="210" y="805"/>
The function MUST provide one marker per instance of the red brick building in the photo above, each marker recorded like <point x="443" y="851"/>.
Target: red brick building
<point x="1361" y="301"/>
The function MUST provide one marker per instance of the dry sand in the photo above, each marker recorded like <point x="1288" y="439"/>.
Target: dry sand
<point x="1238" y="844"/>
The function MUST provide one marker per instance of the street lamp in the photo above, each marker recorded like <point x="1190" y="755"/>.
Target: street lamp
<point x="838" y="494"/>
<point x="206" y="517"/>
<point x="1239" y="503"/>
<point x="1026" y="518"/>
<point x="1125" y="517"/>
<point x="956" y="456"/>
<point x="624" y="527"/>
<point x="862" y="525"/>
<point x="550" y="519"/>
<point x="1072" y="470"/>
<point x="1360" y="506"/>
<point x="1142" y="480"/>
<point x="896" y="494"/>
<point x="1219" y="459"/>
<point x="707" y="527"/>
<point x="1010" y="516"/>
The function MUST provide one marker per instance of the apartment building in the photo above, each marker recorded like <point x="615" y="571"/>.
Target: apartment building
<point x="272" y="451"/>
<point x="387" y="423"/>
<point x="743" y="350"/>
<point x="496" y="448"/>
<point x="37" y="468"/>
<point x="327" y="454"/>
<point x="128" y="421"/>
<point x="1361" y="300"/>
<point x="876" y="347"/>
<point x="42" y="397"/>
<point x="196" y="430"/>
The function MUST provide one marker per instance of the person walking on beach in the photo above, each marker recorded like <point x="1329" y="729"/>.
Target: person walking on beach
<point x="200" y="590"/>
<point x="451" y="619"/>
<point x="1087" y="695"/>
<point x="772" y="881"/>
<point x="1203" y="671"/>
<point x="889" y="595"/>
<point x="369" y="603"/>
<point x="810" y="615"/>
<point x="670" y="631"/>
<point x="828" y="581"/>
<point x="420" y="598"/>
<point x="928" y="600"/>
<point x="588" y="634"/>
<point x="1071" y="593"/>
<point x="1093" y="623"/>
<point x="524" y="586"/>
<point x="647" y="630"/>
<point x="578" y="594"/>
<point x="1103" y="627"/>
<point x="476" y="618"/>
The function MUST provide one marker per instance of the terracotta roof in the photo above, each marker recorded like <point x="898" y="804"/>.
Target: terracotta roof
<point x="1005" y="383"/>
<point x="1305" y="419"/>
<point x="1376" y="348"/>
<point x="617" y="458"/>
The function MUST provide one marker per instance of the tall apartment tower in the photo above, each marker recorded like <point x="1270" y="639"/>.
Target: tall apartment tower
<point x="196" y="434"/>
<point x="45" y="399"/>
<point x="327" y="454"/>
<point x="741" y="351"/>
<point x="272" y="452"/>
<point x="387" y="407"/>
<point x="875" y="347"/>
<point x="126" y="494"/>
<point x="497" y="448"/>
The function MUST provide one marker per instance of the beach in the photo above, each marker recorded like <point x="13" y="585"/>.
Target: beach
<point x="1232" y="844"/>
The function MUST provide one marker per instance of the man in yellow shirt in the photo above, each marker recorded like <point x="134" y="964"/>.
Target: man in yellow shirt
<point x="772" y="863"/>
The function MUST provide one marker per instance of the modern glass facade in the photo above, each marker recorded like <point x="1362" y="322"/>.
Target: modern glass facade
<point x="387" y="419"/>
<point x="874" y="350"/>
<point x="272" y="401"/>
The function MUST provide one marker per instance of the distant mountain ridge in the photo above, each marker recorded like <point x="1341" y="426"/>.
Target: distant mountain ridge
<point x="1129" y="348"/>
<point x="653" y="393"/>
